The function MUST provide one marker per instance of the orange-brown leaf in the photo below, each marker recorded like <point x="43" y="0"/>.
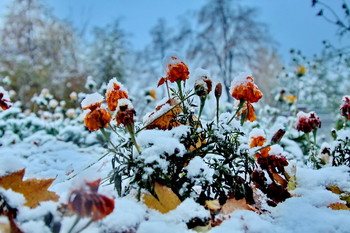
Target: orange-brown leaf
<point x="233" y="205"/>
<point x="161" y="82"/>
<point x="338" y="206"/>
<point x="167" y="199"/>
<point x="33" y="190"/>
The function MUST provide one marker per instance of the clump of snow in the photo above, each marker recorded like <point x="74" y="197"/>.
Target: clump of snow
<point x="91" y="99"/>
<point x="240" y="79"/>
<point x="14" y="199"/>
<point x="90" y="83"/>
<point x="124" y="102"/>
<point x="149" y="118"/>
<point x="6" y="95"/>
<point x="10" y="164"/>
<point x="110" y="85"/>
<point x="186" y="211"/>
<point x="257" y="132"/>
<point x="199" y="171"/>
<point x="276" y="150"/>
<point x="199" y="73"/>
<point x="127" y="214"/>
<point x="343" y="134"/>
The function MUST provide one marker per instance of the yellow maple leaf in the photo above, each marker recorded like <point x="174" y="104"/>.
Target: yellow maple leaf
<point x="166" y="199"/>
<point x="33" y="190"/>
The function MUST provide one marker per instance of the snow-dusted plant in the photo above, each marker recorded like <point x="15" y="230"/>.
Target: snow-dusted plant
<point x="202" y="159"/>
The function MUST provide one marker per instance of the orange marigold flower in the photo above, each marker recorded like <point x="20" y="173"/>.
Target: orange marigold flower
<point x="244" y="88"/>
<point x="125" y="112"/>
<point x="263" y="153"/>
<point x="86" y="202"/>
<point x="177" y="70"/>
<point x="307" y="122"/>
<point x="257" y="141"/>
<point x="300" y="70"/>
<point x="97" y="118"/>
<point x="115" y="92"/>
<point x="248" y="111"/>
<point x="165" y="116"/>
<point x="345" y="107"/>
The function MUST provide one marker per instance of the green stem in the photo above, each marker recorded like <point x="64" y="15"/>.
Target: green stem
<point x="103" y="131"/>
<point x="74" y="224"/>
<point x="182" y="98"/>
<point x="241" y="102"/>
<point x="217" y="110"/>
<point x="203" y="98"/>
<point x="84" y="227"/>
<point x="131" y="131"/>
<point x="115" y="131"/>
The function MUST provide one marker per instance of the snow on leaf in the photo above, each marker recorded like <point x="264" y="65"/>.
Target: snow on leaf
<point x="232" y="205"/>
<point x="167" y="199"/>
<point x="33" y="190"/>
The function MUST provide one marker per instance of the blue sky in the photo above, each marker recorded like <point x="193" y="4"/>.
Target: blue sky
<point x="292" y="23"/>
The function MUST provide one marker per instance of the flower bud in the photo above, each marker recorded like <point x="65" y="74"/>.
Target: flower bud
<point x="218" y="90"/>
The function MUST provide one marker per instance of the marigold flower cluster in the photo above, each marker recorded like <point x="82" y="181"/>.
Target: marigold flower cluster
<point x="177" y="70"/>
<point x="307" y="122"/>
<point x="117" y="100"/>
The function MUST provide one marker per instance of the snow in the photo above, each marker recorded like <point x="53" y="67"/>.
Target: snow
<point x="110" y="85"/>
<point x="6" y="95"/>
<point x="199" y="170"/>
<point x="91" y="99"/>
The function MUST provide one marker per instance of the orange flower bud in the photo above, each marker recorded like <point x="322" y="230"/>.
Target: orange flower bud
<point x="218" y="90"/>
<point x="86" y="202"/>
<point x="97" y="118"/>
<point x="243" y="88"/>
<point x="4" y="102"/>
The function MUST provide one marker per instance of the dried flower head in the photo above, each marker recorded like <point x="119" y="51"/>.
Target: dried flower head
<point x="307" y="122"/>
<point x="177" y="70"/>
<point x="345" y="107"/>
<point x="97" y="118"/>
<point x="86" y="202"/>
<point x="125" y="112"/>
<point x="244" y="88"/>
<point x="4" y="99"/>
<point x="276" y="138"/>
<point x="115" y="92"/>
<point x="203" y="86"/>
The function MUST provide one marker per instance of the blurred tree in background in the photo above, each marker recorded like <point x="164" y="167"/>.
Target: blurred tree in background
<point x="38" y="50"/>
<point x="108" y="53"/>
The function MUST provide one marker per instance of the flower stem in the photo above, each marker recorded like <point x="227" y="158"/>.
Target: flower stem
<point x="181" y="95"/>
<point x="84" y="227"/>
<point x="217" y="110"/>
<point x="241" y="102"/>
<point x="103" y="131"/>
<point x="115" y="131"/>
<point x="203" y="99"/>
<point x="131" y="131"/>
<point x="74" y="224"/>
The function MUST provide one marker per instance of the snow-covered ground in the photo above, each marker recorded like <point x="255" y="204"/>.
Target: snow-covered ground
<point x="306" y="211"/>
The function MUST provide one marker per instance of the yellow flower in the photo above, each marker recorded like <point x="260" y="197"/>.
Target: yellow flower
<point x="290" y="98"/>
<point x="301" y="70"/>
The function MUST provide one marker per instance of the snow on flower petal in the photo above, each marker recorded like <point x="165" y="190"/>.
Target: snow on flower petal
<point x="92" y="101"/>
